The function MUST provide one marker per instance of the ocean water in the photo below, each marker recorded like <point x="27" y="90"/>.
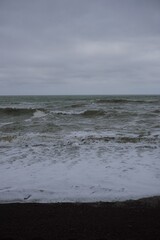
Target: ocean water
<point x="79" y="148"/>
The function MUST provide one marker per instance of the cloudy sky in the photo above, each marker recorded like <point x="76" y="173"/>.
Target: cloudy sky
<point x="79" y="47"/>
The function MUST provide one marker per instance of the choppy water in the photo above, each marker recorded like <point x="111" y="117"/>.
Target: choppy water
<point x="75" y="129"/>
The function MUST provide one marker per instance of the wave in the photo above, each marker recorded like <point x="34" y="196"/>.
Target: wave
<point x="39" y="113"/>
<point x="93" y="113"/>
<point x="18" y="111"/>
<point x="87" y="113"/>
<point x="112" y="101"/>
<point x="7" y="138"/>
<point x="156" y="111"/>
<point x="119" y="101"/>
<point x="78" y="105"/>
<point x="64" y="113"/>
<point x="122" y="139"/>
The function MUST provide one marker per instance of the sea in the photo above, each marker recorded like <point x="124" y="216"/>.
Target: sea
<point x="79" y="148"/>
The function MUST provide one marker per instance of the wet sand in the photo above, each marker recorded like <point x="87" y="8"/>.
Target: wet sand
<point x="128" y="220"/>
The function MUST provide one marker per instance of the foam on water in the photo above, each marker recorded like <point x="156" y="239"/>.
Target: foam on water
<point x="38" y="114"/>
<point x="80" y="180"/>
<point x="60" y="154"/>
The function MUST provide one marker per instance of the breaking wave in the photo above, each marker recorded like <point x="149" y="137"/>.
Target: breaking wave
<point x="93" y="113"/>
<point x="18" y="111"/>
<point x="87" y="113"/>
<point x="39" y="113"/>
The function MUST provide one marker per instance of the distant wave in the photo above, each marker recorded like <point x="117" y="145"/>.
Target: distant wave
<point x="96" y="112"/>
<point x="112" y="101"/>
<point x="87" y="113"/>
<point x="78" y="105"/>
<point x="18" y="111"/>
<point x="119" y="101"/>
<point x="93" y="113"/>
<point x="64" y="113"/>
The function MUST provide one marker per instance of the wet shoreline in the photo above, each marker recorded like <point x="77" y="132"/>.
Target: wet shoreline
<point x="133" y="219"/>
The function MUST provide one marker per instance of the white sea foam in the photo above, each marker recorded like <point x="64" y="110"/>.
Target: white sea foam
<point x="5" y="123"/>
<point x="60" y="154"/>
<point x="39" y="114"/>
<point x="80" y="180"/>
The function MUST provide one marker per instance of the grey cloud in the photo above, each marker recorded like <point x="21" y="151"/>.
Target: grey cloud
<point x="66" y="46"/>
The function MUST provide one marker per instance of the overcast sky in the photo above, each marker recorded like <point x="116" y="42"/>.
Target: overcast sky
<point x="79" y="47"/>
